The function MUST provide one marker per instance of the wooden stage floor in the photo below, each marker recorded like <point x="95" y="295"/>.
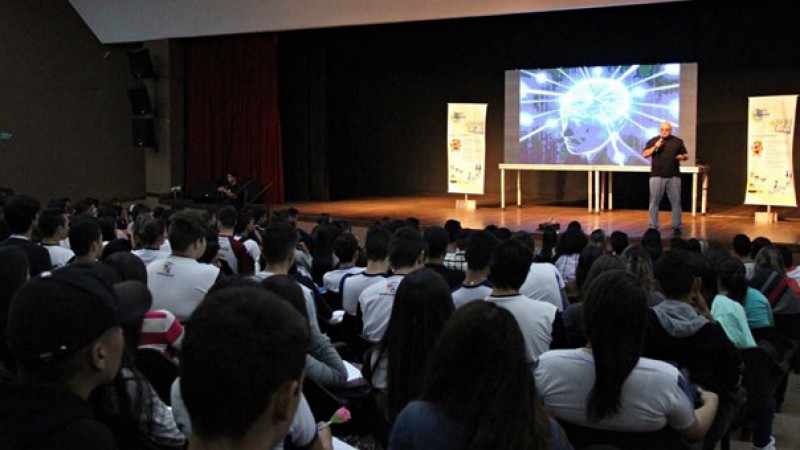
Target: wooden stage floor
<point x="720" y="224"/>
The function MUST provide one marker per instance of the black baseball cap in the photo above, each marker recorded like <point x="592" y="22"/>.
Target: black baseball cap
<point x="61" y="311"/>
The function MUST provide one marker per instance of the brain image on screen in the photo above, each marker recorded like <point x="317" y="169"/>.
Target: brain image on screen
<point x="595" y="115"/>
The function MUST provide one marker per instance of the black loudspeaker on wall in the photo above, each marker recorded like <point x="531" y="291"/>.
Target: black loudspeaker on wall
<point x="141" y="65"/>
<point x="140" y="100"/>
<point x="144" y="133"/>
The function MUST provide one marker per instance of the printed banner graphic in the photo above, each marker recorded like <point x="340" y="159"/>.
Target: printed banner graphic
<point x="466" y="147"/>
<point x="770" y="132"/>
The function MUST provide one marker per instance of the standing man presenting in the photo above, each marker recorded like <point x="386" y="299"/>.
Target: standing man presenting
<point x="665" y="175"/>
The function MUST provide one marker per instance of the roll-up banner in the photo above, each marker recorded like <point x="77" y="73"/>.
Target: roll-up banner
<point x="770" y="134"/>
<point x="466" y="147"/>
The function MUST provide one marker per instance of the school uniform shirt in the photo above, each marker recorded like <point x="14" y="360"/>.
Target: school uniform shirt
<point x="469" y="293"/>
<point x="179" y="284"/>
<point x="351" y="286"/>
<point x="59" y="256"/>
<point x="376" y="307"/>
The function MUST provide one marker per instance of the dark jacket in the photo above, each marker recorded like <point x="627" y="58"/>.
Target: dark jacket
<point x="38" y="256"/>
<point x="694" y="344"/>
<point x="39" y="417"/>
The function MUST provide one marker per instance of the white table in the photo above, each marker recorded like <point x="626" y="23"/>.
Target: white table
<point x="599" y="182"/>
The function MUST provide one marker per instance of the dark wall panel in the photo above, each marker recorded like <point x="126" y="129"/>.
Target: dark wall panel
<point x="64" y="97"/>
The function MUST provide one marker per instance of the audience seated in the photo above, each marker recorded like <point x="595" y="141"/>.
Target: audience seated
<point x="85" y="239"/>
<point x="681" y="330"/>
<point x="407" y="251"/>
<point x="421" y="307"/>
<point x="573" y="315"/>
<point x="608" y="384"/>
<point x="64" y="330"/>
<point x="323" y="363"/>
<point x="781" y="291"/>
<point x="346" y="249"/>
<point x="544" y="281"/>
<point x="619" y="242"/>
<point x="151" y="235"/>
<point x="539" y="321"/>
<point x="231" y="249"/>
<point x="478" y="391"/>
<point x="53" y="225"/>
<point x="476" y="285"/>
<point x="640" y="265"/>
<point x="376" y="249"/>
<point x="436" y="238"/>
<point x="179" y="282"/>
<point x="20" y="213"/>
<point x="457" y="238"/>
<point x="727" y="307"/>
<point x="248" y="397"/>
<point x="568" y="250"/>
<point x="741" y="250"/>
<point x="14" y="272"/>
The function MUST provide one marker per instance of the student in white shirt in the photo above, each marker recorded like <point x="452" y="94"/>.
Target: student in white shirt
<point x="376" y="248"/>
<point x="406" y="254"/>
<point x="54" y="226"/>
<point x="178" y="282"/>
<point x="345" y="247"/>
<point x="476" y="285"/>
<point x="539" y="321"/>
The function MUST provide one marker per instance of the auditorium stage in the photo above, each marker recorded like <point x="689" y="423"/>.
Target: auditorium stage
<point x="720" y="224"/>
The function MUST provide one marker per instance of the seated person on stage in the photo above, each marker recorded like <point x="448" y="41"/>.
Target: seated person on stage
<point x="229" y="410"/>
<point x="179" y="282"/>
<point x="407" y="250"/>
<point x="85" y="239"/>
<point x="20" y="213"/>
<point x="53" y="224"/>
<point x="607" y="384"/>
<point x="543" y="281"/>
<point x="64" y="332"/>
<point x="345" y="247"/>
<point x="476" y="285"/>
<point x="457" y="238"/>
<point x="232" y="192"/>
<point x="376" y="249"/>
<point x="151" y="234"/>
<point x="681" y="330"/>
<point x="539" y="321"/>
<point x="231" y="249"/>
<point x="436" y="239"/>
<point x="478" y="391"/>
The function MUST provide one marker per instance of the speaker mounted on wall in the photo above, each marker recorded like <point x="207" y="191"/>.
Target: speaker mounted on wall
<point x="144" y="135"/>
<point x="140" y="100"/>
<point x="141" y="65"/>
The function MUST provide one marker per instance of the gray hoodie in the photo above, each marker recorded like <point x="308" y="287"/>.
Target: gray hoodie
<point x="679" y="319"/>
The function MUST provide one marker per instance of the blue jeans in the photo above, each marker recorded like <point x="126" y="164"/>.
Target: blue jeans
<point x="672" y="186"/>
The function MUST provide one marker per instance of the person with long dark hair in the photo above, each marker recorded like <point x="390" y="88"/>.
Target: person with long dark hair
<point x="607" y="384"/>
<point x="421" y="308"/>
<point x="728" y="305"/>
<point x="479" y="392"/>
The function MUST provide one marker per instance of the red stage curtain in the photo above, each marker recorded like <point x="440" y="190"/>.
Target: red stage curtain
<point x="232" y="110"/>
